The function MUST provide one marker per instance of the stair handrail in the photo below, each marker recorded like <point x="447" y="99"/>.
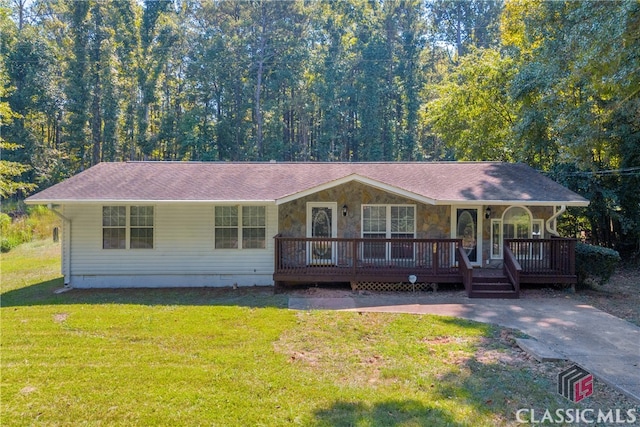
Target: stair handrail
<point x="512" y="268"/>
<point x="466" y="269"/>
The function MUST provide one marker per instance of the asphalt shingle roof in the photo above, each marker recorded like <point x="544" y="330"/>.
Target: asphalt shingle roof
<point x="440" y="182"/>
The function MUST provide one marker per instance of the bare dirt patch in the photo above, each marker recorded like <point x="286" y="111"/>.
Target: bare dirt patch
<point x="603" y="397"/>
<point x="60" y="317"/>
<point x="620" y="296"/>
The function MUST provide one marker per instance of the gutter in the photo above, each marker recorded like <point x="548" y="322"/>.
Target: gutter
<point x="67" y="235"/>
<point x="551" y="224"/>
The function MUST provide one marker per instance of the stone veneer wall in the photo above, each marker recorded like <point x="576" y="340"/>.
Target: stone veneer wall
<point x="432" y="222"/>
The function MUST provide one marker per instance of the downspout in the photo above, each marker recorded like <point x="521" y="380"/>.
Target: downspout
<point x="551" y="222"/>
<point x="67" y="235"/>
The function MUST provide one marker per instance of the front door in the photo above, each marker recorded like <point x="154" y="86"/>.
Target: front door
<point x="468" y="228"/>
<point x="322" y="224"/>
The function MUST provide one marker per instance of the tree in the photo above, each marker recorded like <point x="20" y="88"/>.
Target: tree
<point x="464" y="24"/>
<point x="10" y="171"/>
<point x="579" y="85"/>
<point x="472" y="111"/>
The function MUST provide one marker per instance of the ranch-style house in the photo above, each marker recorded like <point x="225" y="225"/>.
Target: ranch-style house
<point x="488" y="225"/>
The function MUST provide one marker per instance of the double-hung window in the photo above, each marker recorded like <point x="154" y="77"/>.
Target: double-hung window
<point x="226" y="223"/>
<point x="240" y="227"/>
<point x="403" y="221"/>
<point x="114" y="227"/>
<point x="127" y="227"/>
<point x="141" y="227"/>
<point x="374" y="226"/>
<point x="254" y="227"/>
<point x="388" y="222"/>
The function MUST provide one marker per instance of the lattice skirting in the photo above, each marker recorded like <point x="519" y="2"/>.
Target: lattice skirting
<point x="393" y="287"/>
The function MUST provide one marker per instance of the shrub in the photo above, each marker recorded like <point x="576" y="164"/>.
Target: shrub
<point x="595" y="263"/>
<point x="41" y="221"/>
<point x="8" y="243"/>
<point x="37" y="225"/>
<point x="5" y="223"/>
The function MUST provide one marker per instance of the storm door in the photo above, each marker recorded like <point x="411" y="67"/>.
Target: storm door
<point x="321" y="224"/>
<point x="467" y="228"/>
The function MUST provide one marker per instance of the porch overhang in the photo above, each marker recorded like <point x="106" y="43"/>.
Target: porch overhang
<point x="392" y="189"/>
<point x="520" y="202"/>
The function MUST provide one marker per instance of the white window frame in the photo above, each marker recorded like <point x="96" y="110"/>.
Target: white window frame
<point x="454" y="230"/>
<point x="334" y="216"/>
<point x="388" y="221"/>
<point x="312" y="257"/>
<point x="239" y="227"/>
<point x="540" y="252"/>
<point x="500" y="242"/>
<point x="127" y="227"/>
<point x="540" y="224"/>
<point x="244" y="227"/>
<point x="532" y="221"/>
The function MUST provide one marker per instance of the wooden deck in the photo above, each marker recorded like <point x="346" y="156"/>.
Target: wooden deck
<point x="348" y="260"/>
<point x="318" y="260"/>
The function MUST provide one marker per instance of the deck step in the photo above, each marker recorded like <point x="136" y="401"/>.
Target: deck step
<point x="497" y="294"/>
<point x="490" y="279"/>
<point x="492" y="286"/>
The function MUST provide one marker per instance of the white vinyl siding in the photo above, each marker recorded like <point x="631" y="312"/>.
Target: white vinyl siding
<point x="183" y="246"/>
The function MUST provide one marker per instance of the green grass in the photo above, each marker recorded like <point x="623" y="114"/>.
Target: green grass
<point x="227" y="358"/>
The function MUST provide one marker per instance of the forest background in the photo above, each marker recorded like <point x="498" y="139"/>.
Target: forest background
<point x="552" y="84"/>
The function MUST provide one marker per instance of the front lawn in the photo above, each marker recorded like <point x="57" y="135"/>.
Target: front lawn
<point x="240" y="358"/>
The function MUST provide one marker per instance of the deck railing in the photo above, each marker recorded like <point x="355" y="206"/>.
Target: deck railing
<point x="300" y="259"/>
<point x="552" y="257"/>
<point x="512" y="268"/>
<point x="466" y="269"/>
<point x="363" y="256"/>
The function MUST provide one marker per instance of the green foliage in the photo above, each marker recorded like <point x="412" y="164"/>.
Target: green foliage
<point x="595" y="263"/>
<point x="467" y="24"/>
<point x="37" y="224"/>
<point x="10" y="173"/>
<point x="14" y="233"/>
<point x="471" y="110"/>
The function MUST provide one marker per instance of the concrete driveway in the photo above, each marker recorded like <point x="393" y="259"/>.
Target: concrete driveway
<point x="604" y="345"/>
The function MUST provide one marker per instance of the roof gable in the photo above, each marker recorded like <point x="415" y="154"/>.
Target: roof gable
<point x="356" y="178"/>
<point x="435" y="182"/>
